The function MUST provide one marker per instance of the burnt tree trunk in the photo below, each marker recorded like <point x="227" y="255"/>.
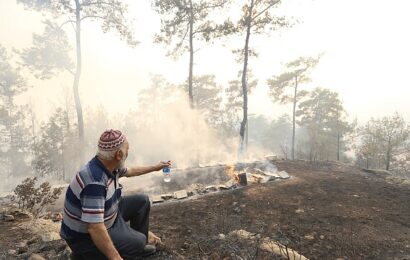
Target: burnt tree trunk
<point x="78" y="74"/>
<point x="244" y="79"/>
<point x="294" y="117"/>
<point x="247" y="133"/>
<point x="388" y="154"/>
<point x="338" y="141"/>
<point x="338" y="147"/>
<point x="191" y="55"/>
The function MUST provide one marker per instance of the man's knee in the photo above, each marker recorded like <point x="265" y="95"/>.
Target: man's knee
<point x="141" y="200"/>
<point x="146" y="199"/>
<point x="140" y="242"/>
<point x="132" y="246"/>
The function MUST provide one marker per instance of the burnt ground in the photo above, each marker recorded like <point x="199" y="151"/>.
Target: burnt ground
<point x="325" y="211"/>
<point x="16" y="237"/>
<point x="342" y="213"/>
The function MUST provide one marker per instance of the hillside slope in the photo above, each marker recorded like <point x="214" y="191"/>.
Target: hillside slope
<point x="325" y="211"/>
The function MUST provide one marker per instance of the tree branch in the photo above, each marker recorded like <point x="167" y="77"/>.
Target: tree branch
<point x="72" y="25"/>
<point x="97" y="3"/>
<point x="92" y="16"/>
<point x="66" y="22"/>
<point x="264" y="10"/>
<point x="70" y="71"/>
<point x="183" y="38"/>
<point x="197" y="11"/>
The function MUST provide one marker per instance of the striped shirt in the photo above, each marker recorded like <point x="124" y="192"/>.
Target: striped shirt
<point x="92" y="197"/>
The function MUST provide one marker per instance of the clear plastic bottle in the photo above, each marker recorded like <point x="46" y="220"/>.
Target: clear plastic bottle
<point x="167" y="174"/>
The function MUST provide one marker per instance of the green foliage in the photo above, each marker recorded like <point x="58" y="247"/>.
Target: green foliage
<point x="55" y="151"/>
<point x="285" y="88"/>
<point x="282" y="87"/>
<point x="110" y="13"/>
<point x="182" y="24"/>
<point x="381" y="140"/>
<point x="208" y="98"/>
<point x="219" y="106"/>
<point x="322" y="108"/>
<point x="278" y="137"/>
<point x="13" y="129"/>
<point x="35" y="199"/>
<point x="234" y="102"/>
<point x="49" y="54"/>
<point x="401" y="161"/>
<point x="207" y="92"/>
<point x="324" y="118"/>
<point x="160" y="92"/>
<point x="179" y="16"/>
<point x="258" y="13"/>
<point x="11" y="82"/>
<point x="256" y="18"/>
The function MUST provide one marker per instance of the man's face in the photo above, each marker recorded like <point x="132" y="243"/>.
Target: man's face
<point x="123" y="154"/>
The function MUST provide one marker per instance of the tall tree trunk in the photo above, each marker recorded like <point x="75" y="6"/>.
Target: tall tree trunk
<point x="338" y="147"/>
<point x="9" y="126"/>
<point x="247" y="133"/>
<point x="191" y="69"/>
<point x="191" y="54"/>
<point x="244" y="79"/>
<point x="63" y="161"/>
<point x="33" y="132"/>
<point x="78" y="74"/>
<point x="338" y="141"/>
<point x="388" y="154"/>
<point x="294" y="117"/>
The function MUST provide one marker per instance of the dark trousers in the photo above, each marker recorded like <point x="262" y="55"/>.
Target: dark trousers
<point x="128" y="240"/>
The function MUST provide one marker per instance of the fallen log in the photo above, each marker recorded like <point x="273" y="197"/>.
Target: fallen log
<point x="270" y="245"/>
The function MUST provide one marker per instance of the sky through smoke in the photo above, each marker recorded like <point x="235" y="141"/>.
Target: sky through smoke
<point x="364" y="43"/>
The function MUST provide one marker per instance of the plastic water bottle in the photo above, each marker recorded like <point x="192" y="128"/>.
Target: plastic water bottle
<point x="167" y="174"/>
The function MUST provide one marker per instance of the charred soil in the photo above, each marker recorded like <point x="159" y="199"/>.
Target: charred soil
<point x="324" y="211"/>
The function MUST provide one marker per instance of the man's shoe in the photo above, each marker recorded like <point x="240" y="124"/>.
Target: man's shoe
<point x="148" y="250"/>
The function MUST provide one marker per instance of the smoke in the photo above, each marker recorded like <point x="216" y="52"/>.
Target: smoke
<point x="177" y="133"/>
<point x="163" y="127"/>
<point x="160" y="127"/>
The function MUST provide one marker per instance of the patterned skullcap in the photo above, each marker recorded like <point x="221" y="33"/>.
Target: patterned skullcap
<point x="111" y="140"/>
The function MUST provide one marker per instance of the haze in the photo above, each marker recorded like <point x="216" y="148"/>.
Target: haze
<point x="365" y="46"/>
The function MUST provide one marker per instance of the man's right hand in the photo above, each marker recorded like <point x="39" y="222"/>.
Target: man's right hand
<point x="102" y="240"/>
<point x="162" y="165"/>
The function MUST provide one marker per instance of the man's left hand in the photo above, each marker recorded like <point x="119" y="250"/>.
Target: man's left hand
<point x="153" y="239"/>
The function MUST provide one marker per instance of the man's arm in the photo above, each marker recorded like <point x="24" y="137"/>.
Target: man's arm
<point x="140" y="170"/>
<point x="93" y="207"/>
<point x="102" y="240"/>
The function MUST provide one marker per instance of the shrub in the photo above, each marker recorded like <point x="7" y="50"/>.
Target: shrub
<point x="35" y="199"/>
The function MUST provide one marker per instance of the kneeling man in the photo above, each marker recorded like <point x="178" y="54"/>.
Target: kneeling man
<point x="95" y="214"/>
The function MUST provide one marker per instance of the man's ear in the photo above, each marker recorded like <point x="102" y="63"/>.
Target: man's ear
<point x="119" y="155"/>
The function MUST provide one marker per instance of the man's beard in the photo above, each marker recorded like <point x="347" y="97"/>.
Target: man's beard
<point x="122" y="163"/>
